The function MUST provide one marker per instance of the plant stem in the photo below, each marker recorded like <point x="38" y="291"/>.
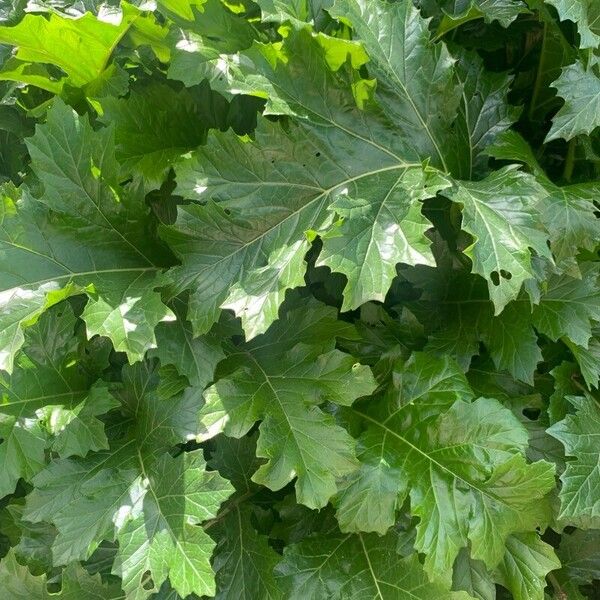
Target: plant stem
<point x="538" y="76"/>
<point x="569" y="161"/>
<point x="560" y="594"/>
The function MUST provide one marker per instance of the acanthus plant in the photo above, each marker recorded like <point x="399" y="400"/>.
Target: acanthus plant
<point x="300" y="299"/>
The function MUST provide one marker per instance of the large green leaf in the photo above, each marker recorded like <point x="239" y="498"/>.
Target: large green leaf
<point x="259" y="224"/>
<point x="502" y="214"/>
<point x="284" y="391"/>
<point x="246" y="249"/>
<point x="414" y="76"/>
<point x="46" y="258"/>
<point x="355" y="567"/>
<point x="579" y="433"/>
<point x="460" y="461"/>
<point x="579" y="86"/>
<point x="139" y="493"/>
<point x="585" y="14"/>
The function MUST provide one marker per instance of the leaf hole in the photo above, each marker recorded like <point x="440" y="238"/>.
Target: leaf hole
<point x="506" y="274"/>
<point x="495" y="277"/>
<point x="317" y="154"/>
<point x="147" y="582"/>
<point x="532" y="413"/>
<point x="226" y="211"/>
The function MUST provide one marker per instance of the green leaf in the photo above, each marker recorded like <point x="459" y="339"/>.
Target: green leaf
<point x="588" y="358"/>
<point x="579" y="86"/>
<point x="259" y="224"/>
<point x="243" y="560"/>
<point x="77" y="431"/>
<point x="484" y="114"/>
<point x="164" y="539"/>
<point x="472" y="577"/>
<point x="135" y="491"/>
<point x="372" y="237"/>
<point x="19" y="584"/>
<point x="285" y="394"/>
<point x="284" y="389"/>
<point x="503" y="11"/>
<point x="567" y="212"/>
<point x="153" y="127"/>
<point x="354" y="567"/>
<point x="45" y="258"/>
<point x="414" y="76"/>
<point x="472" y="456"/>
<point x="585" y="14"/>
<point x="579" y="503"/>
<point x="298" y="12"/>
<point x="47" y="387"/>
<point x="199" y="49"/>
<point x="459" y="315"/>
<point x="579" y="553"/>
<point x="81" y="47"/>
<point x="570" y="307"/>
<point x="194" y="357"/>
<point x="501" y="213"/>
<point x="525" y="565"/>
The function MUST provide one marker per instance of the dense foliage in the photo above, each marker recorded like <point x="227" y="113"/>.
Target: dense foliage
<point x="300" y="299"/>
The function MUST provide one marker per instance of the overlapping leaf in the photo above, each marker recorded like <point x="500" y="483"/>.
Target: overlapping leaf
<point x="579" y="434"/>
<point x="460" y="461"/>
<point x="246" y="249"/>
<point x="48" y="394"/>
<point x="356" y="566"/>
<point x="82" y="234"/>
<point x="152" y="502"/>
<point x="284" y="388"/>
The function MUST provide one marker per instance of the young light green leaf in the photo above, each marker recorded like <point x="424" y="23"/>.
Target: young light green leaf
<point x="81" y="47"/>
